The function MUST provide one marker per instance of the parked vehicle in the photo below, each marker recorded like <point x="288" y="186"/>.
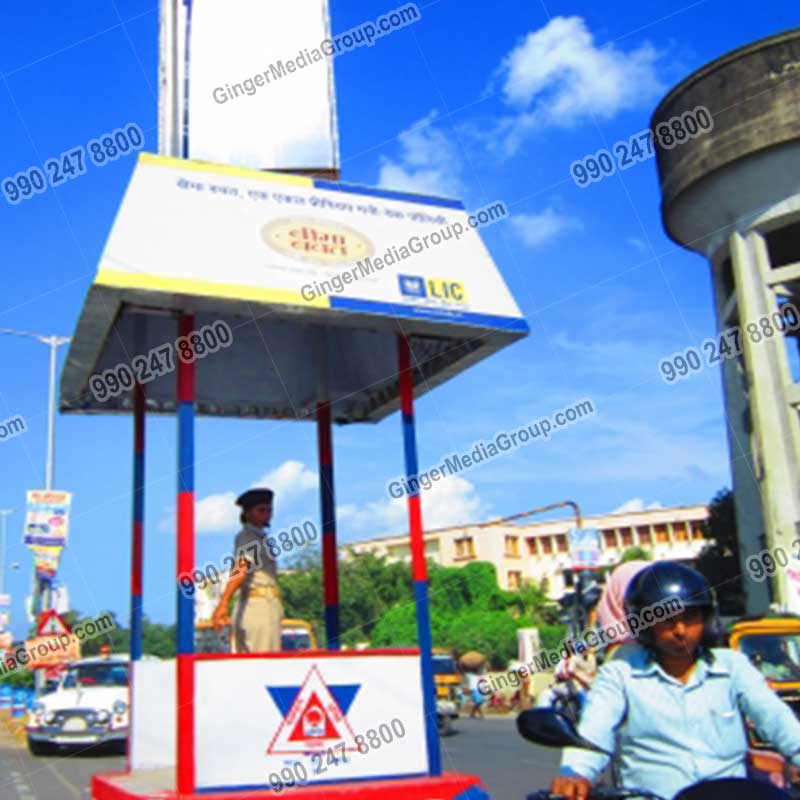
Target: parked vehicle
<point x="772" y="643"/>
<point x="297" y="634"/>
<point x="447" y="678"/>
<point x="89" y="707"/>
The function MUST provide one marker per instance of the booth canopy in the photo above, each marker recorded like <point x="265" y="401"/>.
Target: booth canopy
<point x="315" y="280"/>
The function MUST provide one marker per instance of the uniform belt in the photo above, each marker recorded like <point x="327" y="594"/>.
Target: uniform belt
<point x="273" y="592"/>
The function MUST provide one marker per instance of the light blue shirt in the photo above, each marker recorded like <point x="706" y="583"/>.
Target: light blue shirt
<point x="668" y="735"/>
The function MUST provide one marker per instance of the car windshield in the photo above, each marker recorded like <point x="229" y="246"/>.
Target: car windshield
<point x="295" y="640"/>
<point x="96" y="675"/>
<point x="776" y="655"/>
<point x="444" y="665"/>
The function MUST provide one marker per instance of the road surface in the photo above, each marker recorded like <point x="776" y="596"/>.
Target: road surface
<point x="509" y="766"/>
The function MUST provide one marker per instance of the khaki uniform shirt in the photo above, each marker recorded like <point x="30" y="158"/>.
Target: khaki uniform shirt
<point x="257" y="619"/>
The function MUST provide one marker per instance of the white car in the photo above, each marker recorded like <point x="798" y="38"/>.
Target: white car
<point x="90" y="706"/>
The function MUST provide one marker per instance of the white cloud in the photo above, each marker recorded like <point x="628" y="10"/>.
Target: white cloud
<point x="537" y="229"/>
<point x="635" y="504"/>
<point x="639" y="244"/>
<point x="558" y="76"/>
<point x="451" y="501"/>
<point x="218" y="513"/>
<point x="289" y="479"/>
<point x="429" y="163"/>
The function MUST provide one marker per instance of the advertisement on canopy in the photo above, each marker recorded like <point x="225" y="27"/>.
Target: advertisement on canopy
<point x="304" y="242"/>
<point x="260" y="85"/>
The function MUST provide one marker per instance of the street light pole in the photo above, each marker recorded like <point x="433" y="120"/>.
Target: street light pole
<point x="4" y="512"/>
<point x="53" y="342"/>
<point x="41" y="590"/>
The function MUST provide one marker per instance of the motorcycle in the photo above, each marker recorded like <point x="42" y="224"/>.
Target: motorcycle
<point x="548" y="727"/>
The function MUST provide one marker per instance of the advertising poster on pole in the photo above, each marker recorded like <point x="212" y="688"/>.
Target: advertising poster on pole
<point x="47" y="518"/>
<point x="46" y="560"/>
<point x="5" y="622"/>
<point x="584" y="547"/>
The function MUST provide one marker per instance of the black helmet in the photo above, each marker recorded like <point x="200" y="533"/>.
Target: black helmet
<point x="665" y="580"/>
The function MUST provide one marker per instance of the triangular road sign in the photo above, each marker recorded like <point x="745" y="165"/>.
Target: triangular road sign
<point x="52" y="623"/>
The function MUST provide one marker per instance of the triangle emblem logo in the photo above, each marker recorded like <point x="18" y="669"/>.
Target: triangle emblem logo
<point x="314" y="715"/>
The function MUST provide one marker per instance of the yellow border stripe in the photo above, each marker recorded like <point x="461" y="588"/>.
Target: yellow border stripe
<point x="231" y="291"/>
<point x="223" y="169"/>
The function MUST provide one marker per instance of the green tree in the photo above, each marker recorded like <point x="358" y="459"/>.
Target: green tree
<point x="636" y="554"/>
<point x="719" y="561"/>
<point x="493" y="633"/>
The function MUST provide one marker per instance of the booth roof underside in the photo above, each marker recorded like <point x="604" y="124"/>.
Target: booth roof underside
<point x="200" y="238"/>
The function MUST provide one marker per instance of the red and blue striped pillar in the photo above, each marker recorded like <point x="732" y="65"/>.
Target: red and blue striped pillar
<point x="137" y="540"/>
<point x="330" y="567"/>
<point x="185" y="564"/>
<point x="419" y="569"/>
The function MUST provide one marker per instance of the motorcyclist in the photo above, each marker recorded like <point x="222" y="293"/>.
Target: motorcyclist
<point x="671" y="705"/>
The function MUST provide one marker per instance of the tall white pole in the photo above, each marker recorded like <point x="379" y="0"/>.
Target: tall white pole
<point x="53" y="342"/>
<point x="4" y="512"/>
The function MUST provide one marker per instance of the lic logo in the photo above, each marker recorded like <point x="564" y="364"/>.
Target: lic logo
<point x="412" y="285"/>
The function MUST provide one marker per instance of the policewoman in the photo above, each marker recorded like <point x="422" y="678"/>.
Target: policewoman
<point x="258" y="613"/>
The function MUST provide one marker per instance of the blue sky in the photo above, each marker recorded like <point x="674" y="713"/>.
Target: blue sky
<point x="483" y="100"/>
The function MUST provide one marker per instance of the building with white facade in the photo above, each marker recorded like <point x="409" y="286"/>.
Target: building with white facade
<point x="540" y="550"/>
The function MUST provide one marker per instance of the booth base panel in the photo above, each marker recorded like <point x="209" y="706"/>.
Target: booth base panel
<point x="158" y="785"/>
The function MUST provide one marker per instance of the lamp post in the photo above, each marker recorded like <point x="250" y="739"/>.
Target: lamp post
<point x="41" y="592"/>
<point x="4" y="512"/>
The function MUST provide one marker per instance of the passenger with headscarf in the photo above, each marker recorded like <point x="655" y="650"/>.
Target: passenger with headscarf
<point x="611" y="608"/>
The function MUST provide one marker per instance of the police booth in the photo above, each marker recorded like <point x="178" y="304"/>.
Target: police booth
<point x="227" y="291"/>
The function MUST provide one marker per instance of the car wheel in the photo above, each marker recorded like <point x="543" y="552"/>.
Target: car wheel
<point x="40" y="748"/>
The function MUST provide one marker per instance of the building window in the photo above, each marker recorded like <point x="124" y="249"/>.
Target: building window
<point x="627" y="537"/>
<point x="432" y="548"/>
<point x="679" y="531"/>
<point x="465" y="548"/>
<point x="662" y="536"/>
<point x="697" y="530"/>
<point x="546" y="543"/>
<point x="396" y="551"/>
<point x="561" y="543"/>
<point x="644" y="535"/>
<point x="514" y="579"/>
<point x="533" y="550"/>
<point x="512" y="546"/>
<point x="609" y="539"/>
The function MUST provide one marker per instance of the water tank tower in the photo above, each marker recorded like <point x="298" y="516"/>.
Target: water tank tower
<point x="732" y="194"/>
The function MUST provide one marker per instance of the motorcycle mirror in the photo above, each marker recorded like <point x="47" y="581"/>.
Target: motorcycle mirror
<point x="551" y="728"/>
